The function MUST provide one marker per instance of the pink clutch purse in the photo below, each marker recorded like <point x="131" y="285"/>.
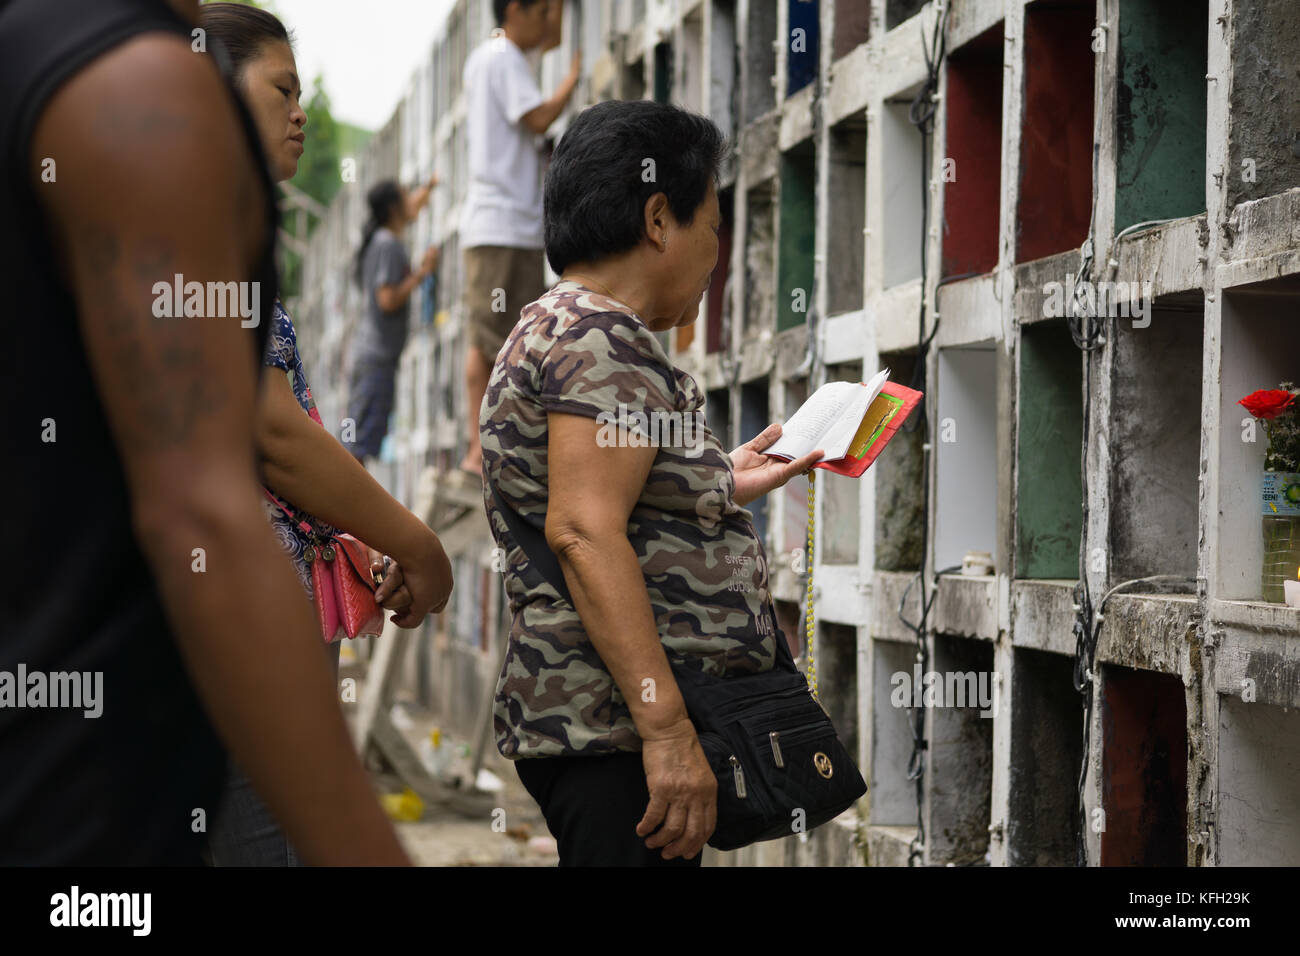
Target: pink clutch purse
<point x="343" y="588"/>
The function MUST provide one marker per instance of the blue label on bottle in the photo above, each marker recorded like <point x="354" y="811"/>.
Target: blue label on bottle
<point x="1281" y="493"/>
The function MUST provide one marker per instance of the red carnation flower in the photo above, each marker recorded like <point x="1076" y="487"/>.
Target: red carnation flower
<point x="1268" y="403"/>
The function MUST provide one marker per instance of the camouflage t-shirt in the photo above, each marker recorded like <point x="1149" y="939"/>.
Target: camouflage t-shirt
<point x="578" y="352"/>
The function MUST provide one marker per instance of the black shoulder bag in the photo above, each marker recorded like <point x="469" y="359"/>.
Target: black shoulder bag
<point x="780" y="766"/>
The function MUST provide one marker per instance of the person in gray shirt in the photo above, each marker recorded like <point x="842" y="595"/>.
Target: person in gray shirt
<point x="383" y="270"/>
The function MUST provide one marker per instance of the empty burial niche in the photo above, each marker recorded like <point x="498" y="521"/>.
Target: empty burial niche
<point x="1049" y="494"/>
<point x="839" y="494"/>
<point x="1055" y="203"/>
<point x="690" y="93"/>
<point x="634" y="80"/>
<point x="1143" y="768"/>
<point x="893" y="796"/>
<point x="760" y="59"/>
<point x="717" y="414"/>
<point x="1155" y="439"/>
<point x="972" y="169"/>
<point x="1046" y="754"/>
<point x="845" y="274"/>
<point x="960" y="767"/>
<point x="717" y="301"/>
<point x="753" y="419"/>
<point x="1259" y="784"/>
<point x="1259" y="351"/>
<point x="723" y="69"/>
<point x="760" y="260"/>
<point x="801" y="45"/>
<point x="900" y="486"/>
<point x="663" y="72"/>
<point x="798" y="225"/>
<point x="794" y="526"/>
<point x="965" y="448"/>
<point x="896" y="11"/>
<point x="903" y="181"/>
<point x="837" y="679"/>
<point x="1264" y="104"/>
<point x="1160" y="113"/>
<point x="852" y="27"/>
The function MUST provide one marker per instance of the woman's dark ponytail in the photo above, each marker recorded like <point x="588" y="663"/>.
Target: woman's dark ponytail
<point x="382" y="199"/>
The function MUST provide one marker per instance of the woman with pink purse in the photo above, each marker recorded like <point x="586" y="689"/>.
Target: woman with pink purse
<point x="314" y="486"/>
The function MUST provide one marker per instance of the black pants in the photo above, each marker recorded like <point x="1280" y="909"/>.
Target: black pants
<point x="592" y="806"/>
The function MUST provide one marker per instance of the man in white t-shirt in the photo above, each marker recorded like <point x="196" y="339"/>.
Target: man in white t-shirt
<point x="501" y="222"/>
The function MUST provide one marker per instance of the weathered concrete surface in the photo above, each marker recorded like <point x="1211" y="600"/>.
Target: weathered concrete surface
<point x="1146" y="632"/>
<point x="892" y="795"/>
<point x="1046" y="754"/>
<point x="1042" y="615"/>
<point x="1264" y="124"/>
<point x="967" y="607"/>
<point x="959" y="770"/>
<point x="1259" y="785"/>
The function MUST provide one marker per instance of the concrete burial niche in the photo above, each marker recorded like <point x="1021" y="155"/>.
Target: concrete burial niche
<point x="717" y="414"/>
<point x="1160" y="114"/>
<point x="1046" y="756"/>
<point x="845" y="274"/>
<point x="691" y="92"/>
<point x="1264" y="105"/>
<point x="1143" y="768"/>
<point x="801" y="56"/>
<point x="965" y="449"/>
<point x="1055" y="202"/>
<point x="900" y="486"/>
<point x="760" y="259"/>
<point x="903" y="181"/>
<point x="1259" y="784"/>
<point x="973" y="164"/>
<point x="798" y="227"/>
<point x="724" y="68"/>
<point x="837" y="679"/>
<point x="959" y="768"/>
<point x="896" y="11"/>
<point x="753" y="419"/>
<point x="760" y="31"/>
<point x="793" y="534"/>
<point x="852" y="27"/>
<point x="663" y="72"/>
<point x="1049" y="513"/>
<point x="893" y="796"/>
<point x="1155" y="440"/>
<point x="717" y="300"/>
<point x="839" y="494"/>
<point x="1259" y="351"/>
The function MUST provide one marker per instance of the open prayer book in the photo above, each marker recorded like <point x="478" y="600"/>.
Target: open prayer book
<point x="851" y="422"/>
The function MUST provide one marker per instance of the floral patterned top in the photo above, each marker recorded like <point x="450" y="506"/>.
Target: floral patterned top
<point x="282" y="353"/>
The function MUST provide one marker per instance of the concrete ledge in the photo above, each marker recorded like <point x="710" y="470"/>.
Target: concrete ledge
<point x="849" y="91"/>
<point x="896" y="317"/>
<point x="966" y="607"/>
<point x="1263" y="227"/>
<point x="1258" y="660"/>
<point x="1171" y="257"/>
<point x="889" y="846"/>
<point x="1032" y="277"/>
<point x="1042" y="615"/>
<point x="969" y="312"/>
<point x="1146" y="632"/>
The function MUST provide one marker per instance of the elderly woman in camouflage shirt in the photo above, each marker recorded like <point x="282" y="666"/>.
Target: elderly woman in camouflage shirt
<point x="590" y="433"/>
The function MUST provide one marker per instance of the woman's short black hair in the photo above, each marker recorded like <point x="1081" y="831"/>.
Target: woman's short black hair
<point x="499" y="8"/>
<point x="613" y="157"/>
<point x="242" y="31"/>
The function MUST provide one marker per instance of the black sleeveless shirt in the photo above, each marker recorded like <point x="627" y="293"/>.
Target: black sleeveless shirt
<point x="76" y="596"/>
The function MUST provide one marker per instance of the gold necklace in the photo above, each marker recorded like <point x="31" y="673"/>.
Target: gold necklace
<point x="603" y="288"/>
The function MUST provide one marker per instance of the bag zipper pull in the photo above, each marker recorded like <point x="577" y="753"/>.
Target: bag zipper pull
<point x="739" y="775"/>
<point x="775" y="738"/>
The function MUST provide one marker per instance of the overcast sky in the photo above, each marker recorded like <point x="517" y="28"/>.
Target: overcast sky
<point x="366" y="50"/>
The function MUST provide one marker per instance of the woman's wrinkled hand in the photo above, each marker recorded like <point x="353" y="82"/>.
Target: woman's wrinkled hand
<point x="427" y="578"/>
<point x="683" y="793"/>
<point x="392" y="593"/>
<point x="756" y="474"/>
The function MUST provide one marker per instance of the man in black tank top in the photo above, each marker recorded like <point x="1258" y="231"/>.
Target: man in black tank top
<point x="142" y="590"/>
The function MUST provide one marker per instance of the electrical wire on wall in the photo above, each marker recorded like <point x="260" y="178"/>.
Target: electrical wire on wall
<point x="921" y="114"/>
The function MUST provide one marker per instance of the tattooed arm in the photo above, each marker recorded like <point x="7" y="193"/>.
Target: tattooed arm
<point x="152" y="169"/>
